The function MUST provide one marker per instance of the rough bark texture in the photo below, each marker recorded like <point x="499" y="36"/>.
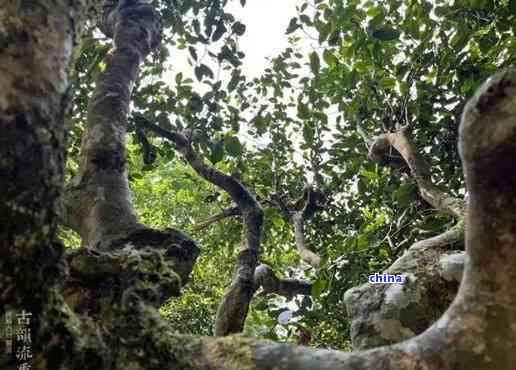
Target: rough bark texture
<point x="233" y="309"/>
<point x="36" y="42"/>
<point x="383" y="314"/>
<point x="310" y="205"/>
<point x="98" y="202"/>
<point x="476" y="333"/>
<point x="381" y="151"/>
<point x="35" y="52"/>
<point x="300" y="211"/>
<point x="126" y="264"/>
<point x="265" y="277"/>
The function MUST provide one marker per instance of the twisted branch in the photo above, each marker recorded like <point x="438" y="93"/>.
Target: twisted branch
<point x="380" y="151"/>
<point x="232" y="311"/>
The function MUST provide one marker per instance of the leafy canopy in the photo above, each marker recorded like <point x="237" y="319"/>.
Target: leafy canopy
<point x="373" y="67"/>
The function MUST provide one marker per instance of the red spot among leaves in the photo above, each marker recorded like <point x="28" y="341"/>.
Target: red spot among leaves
<point x="303" y="337"/>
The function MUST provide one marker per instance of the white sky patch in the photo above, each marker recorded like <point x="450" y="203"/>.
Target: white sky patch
<point x="266" y="22"/>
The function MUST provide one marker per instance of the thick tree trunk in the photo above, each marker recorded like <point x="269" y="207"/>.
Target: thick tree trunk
<point x="98" y="202"/>
<point x="35" y="56"/>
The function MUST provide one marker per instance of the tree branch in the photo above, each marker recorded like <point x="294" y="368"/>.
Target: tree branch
<point x="379" y="312"/>
<point x="35" y="61"/>
<point x="265" y="277"/>
<point x="229" y="212"/>
<point x="97" y="203"/>
<point x="476" y="332"/>
<point x="299" y="217"/>
<point x="419" y="169"/>
<point x="232" y="311"/>
<point x="309" y="205"/>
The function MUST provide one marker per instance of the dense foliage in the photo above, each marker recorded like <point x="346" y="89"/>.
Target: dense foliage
<point x="375" y="66"/>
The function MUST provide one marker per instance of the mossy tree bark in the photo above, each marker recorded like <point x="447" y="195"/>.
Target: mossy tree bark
<point x="35" y="53"/>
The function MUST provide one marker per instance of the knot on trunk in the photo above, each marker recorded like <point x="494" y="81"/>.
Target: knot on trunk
<point x="132" y="24"/>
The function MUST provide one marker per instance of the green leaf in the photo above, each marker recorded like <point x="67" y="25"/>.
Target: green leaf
<point x="292" y="26"/>
<point x="278" y="222"/>
<point x="179" y="78"/>
<point x="233" y="146"/>
<point x="460" y="39"/>
<point x="193" y="53"/>
<point x="324" y="30"/>
<point x="512" y="6"/>
<point x="195" y="104"/>
<point x="219" y="31"/>
<point x="404" y="195"/>
<point x="217" y="152"/>
<point x="404" y="88"/>
<point x="386" y="34"/>
<point x="321" y="116"/>
<point x="308" y="134"/>
<point x="305" y="19"/>
<point x="198" y="73"/>
<point x="362" y="243"/>
<point x="318" y="287"/>
<point x="235" y="77"/>
<point x="369" y="175"/>
<point x="302" y="111"/>
<point x="387" y="83"/>
<point x="238" y="28"/>
<point x="329" y="58"/>
<point x="315" y="63"/>
<point x="479" y="4"/>
<point x="203" y="70"/>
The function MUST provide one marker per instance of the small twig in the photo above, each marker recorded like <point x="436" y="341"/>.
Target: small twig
<point x="229" y="212"/>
